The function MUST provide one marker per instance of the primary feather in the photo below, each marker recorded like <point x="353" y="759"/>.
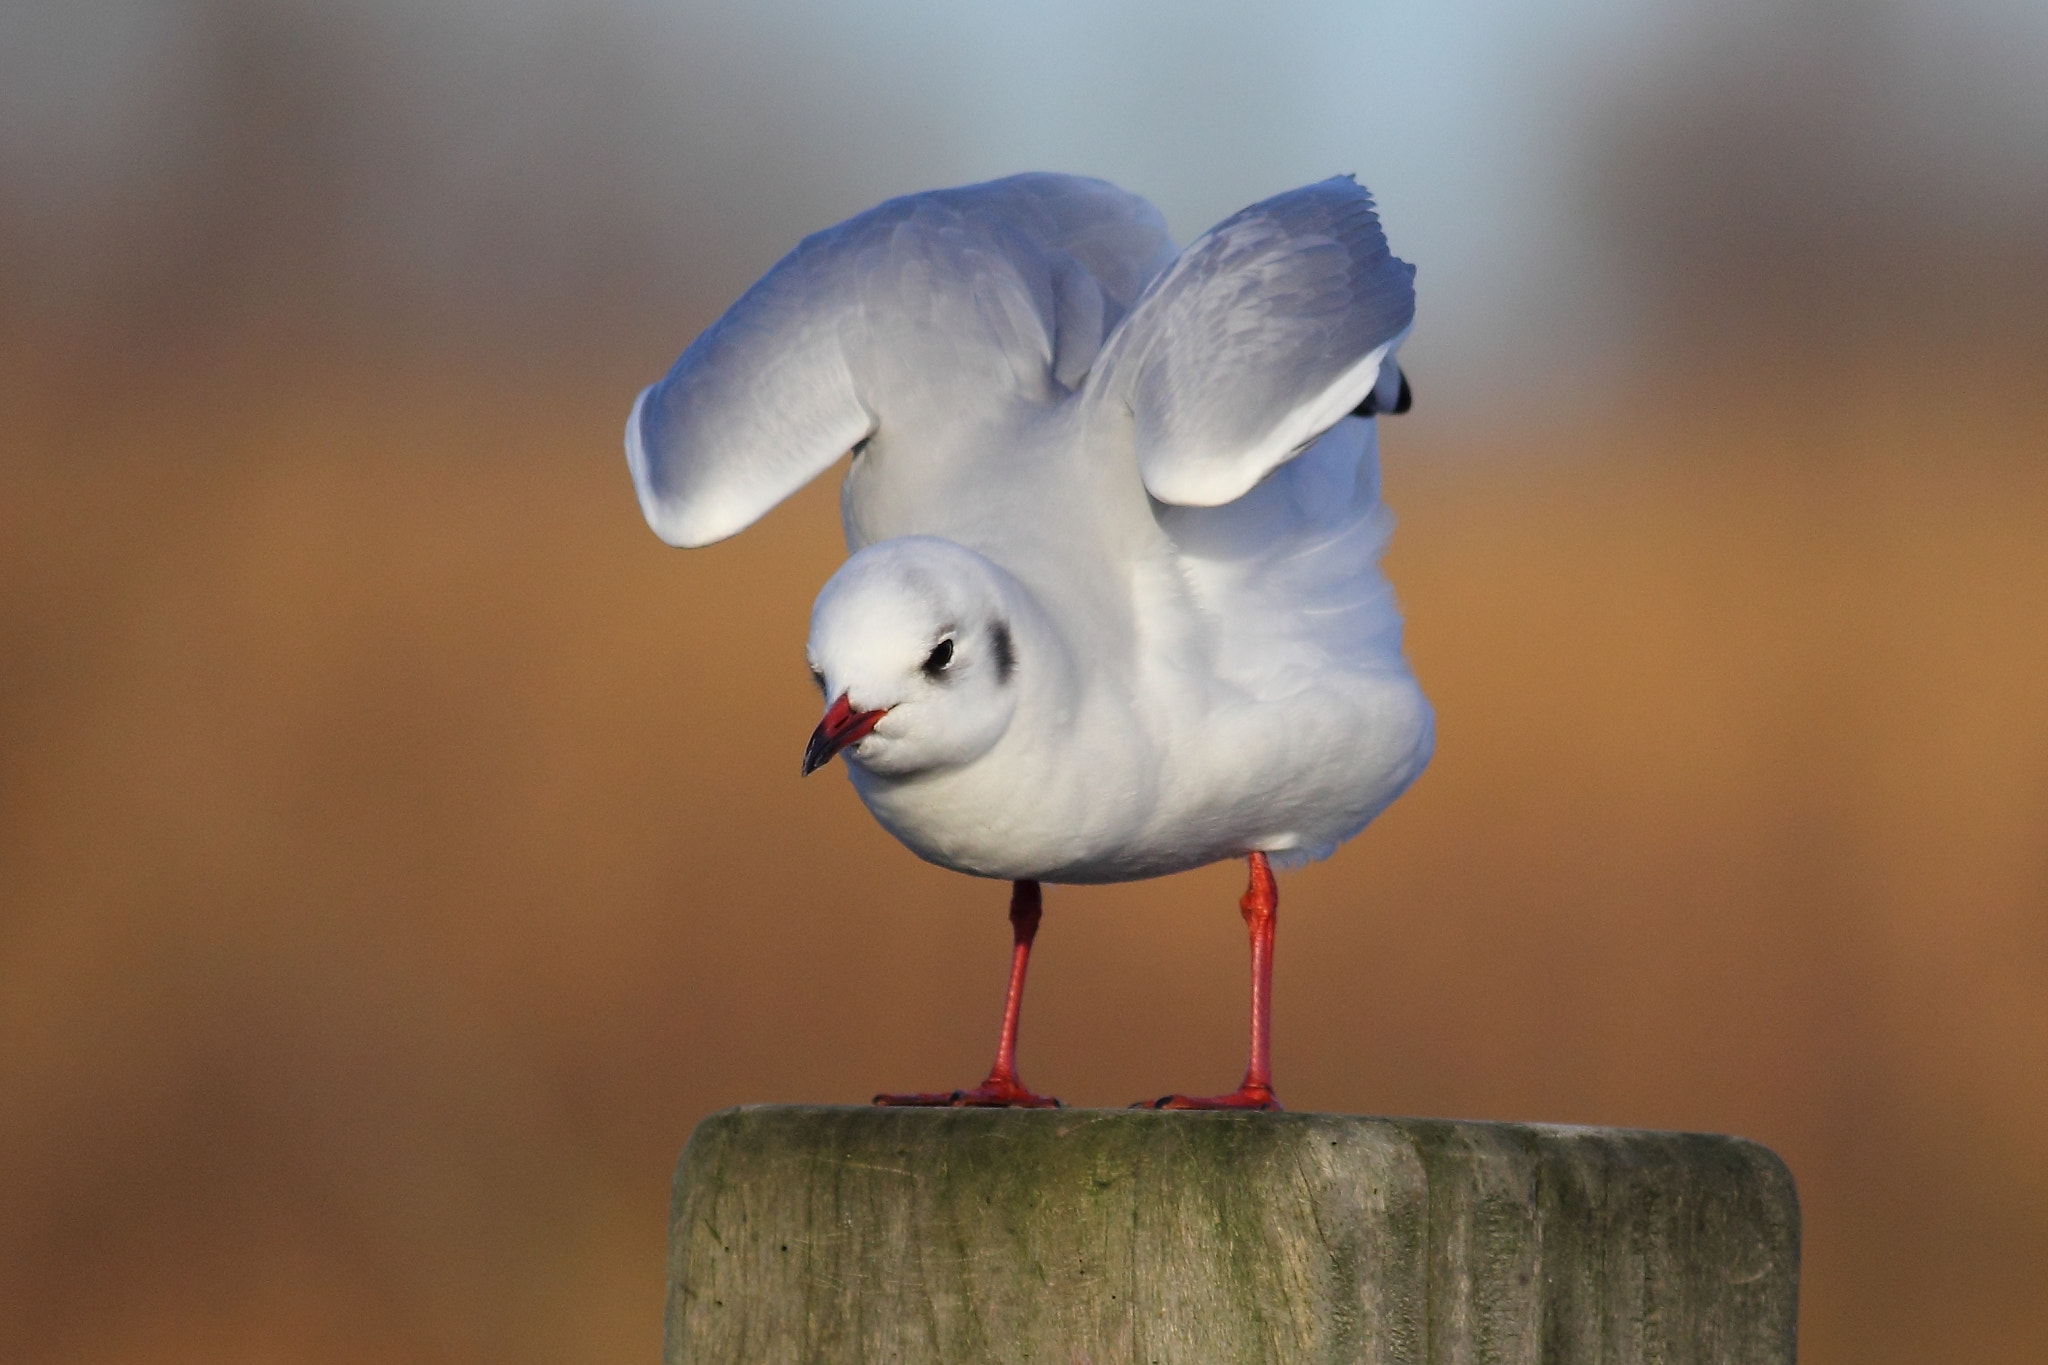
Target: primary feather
<point x="1006" y="288"/>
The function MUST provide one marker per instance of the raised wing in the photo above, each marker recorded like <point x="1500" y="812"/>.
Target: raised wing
<point x="1268" y="329"/>
<point x="1118" y="239"/>
<point x="900" y="319"/>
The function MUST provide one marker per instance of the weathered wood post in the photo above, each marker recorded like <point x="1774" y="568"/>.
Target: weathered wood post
<point x="1064" y="1236"/>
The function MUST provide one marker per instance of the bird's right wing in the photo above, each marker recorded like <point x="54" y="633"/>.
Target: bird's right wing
<point x="902" y="317"/>
<point x="1267" y="331"/>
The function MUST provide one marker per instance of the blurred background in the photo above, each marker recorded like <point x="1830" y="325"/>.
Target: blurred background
<point x="400" y="850"/>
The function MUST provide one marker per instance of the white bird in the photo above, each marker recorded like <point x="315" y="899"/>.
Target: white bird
<point x="1113" y="607"/>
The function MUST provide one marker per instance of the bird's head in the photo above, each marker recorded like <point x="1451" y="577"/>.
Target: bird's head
<point x="914" y="644"/>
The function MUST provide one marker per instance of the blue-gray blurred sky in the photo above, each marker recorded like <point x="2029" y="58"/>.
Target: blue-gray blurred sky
<point x="609" y="170"/>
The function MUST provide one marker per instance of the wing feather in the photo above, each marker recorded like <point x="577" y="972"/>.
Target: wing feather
<point x="900" y="315"/>
<point x="1267" y="331"/>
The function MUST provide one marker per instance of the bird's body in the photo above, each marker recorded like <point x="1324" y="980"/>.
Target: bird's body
<point x="1195" y="684"/>
<point x="1114" y="607"/>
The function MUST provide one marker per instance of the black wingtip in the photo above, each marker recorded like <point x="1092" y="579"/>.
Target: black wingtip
<point x="1371" y="406"/>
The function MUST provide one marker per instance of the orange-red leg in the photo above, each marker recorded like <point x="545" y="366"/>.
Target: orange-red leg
<point x="1002" y="1089"/>
<point x="1261" y="905"/>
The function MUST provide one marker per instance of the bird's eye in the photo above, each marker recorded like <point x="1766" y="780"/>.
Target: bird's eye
<point x="941" y="655"/>
<point x="818" y="678"/>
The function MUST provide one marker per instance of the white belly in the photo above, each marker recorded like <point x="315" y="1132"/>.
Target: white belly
<point x="1110" y="797"/>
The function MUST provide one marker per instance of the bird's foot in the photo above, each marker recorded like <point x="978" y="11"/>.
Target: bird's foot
<point x="993" y="1093"/>
<point x="1246" y="1096"/>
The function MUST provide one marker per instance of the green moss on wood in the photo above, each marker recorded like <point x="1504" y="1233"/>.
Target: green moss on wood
<point x="843" y="1234"/>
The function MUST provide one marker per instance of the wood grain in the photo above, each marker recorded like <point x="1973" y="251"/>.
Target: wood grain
<point x="819" y="1234"/>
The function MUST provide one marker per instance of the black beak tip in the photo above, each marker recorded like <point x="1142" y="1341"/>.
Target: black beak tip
<point x="818" y="752"/>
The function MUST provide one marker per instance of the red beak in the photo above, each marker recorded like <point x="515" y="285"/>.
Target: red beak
<point x="842" y="726"/>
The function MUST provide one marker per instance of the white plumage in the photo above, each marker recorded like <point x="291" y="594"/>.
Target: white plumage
<point x="1114" y="606"/>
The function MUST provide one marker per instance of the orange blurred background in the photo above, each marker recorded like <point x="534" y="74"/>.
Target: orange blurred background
<point x="400" y="850"/>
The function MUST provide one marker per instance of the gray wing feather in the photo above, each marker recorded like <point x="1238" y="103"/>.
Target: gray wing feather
<point x="898" y="316"/>
<point x="1267" y="331"/>
<point x="761" y="402"/>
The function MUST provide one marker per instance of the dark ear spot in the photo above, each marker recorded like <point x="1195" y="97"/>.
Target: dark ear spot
<point x="1004" y="650"/>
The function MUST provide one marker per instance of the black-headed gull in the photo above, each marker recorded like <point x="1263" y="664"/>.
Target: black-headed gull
<point x="1113" y="607"/>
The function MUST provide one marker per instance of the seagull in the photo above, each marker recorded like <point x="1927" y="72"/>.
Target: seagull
<point x="1113" y="606"/>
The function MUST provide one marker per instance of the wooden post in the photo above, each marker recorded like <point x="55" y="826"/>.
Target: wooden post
<point x="806" y="1234"/>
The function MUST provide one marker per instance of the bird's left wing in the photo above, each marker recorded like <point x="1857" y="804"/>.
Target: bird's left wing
<point x="1266" y="332"/>
<point x="758" y="405"/>
<point x="894" y="322"/>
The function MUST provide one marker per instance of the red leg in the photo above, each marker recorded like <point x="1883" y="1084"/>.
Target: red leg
<point x="1002" y="1089"/>
<point x="1261" y="905"/>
